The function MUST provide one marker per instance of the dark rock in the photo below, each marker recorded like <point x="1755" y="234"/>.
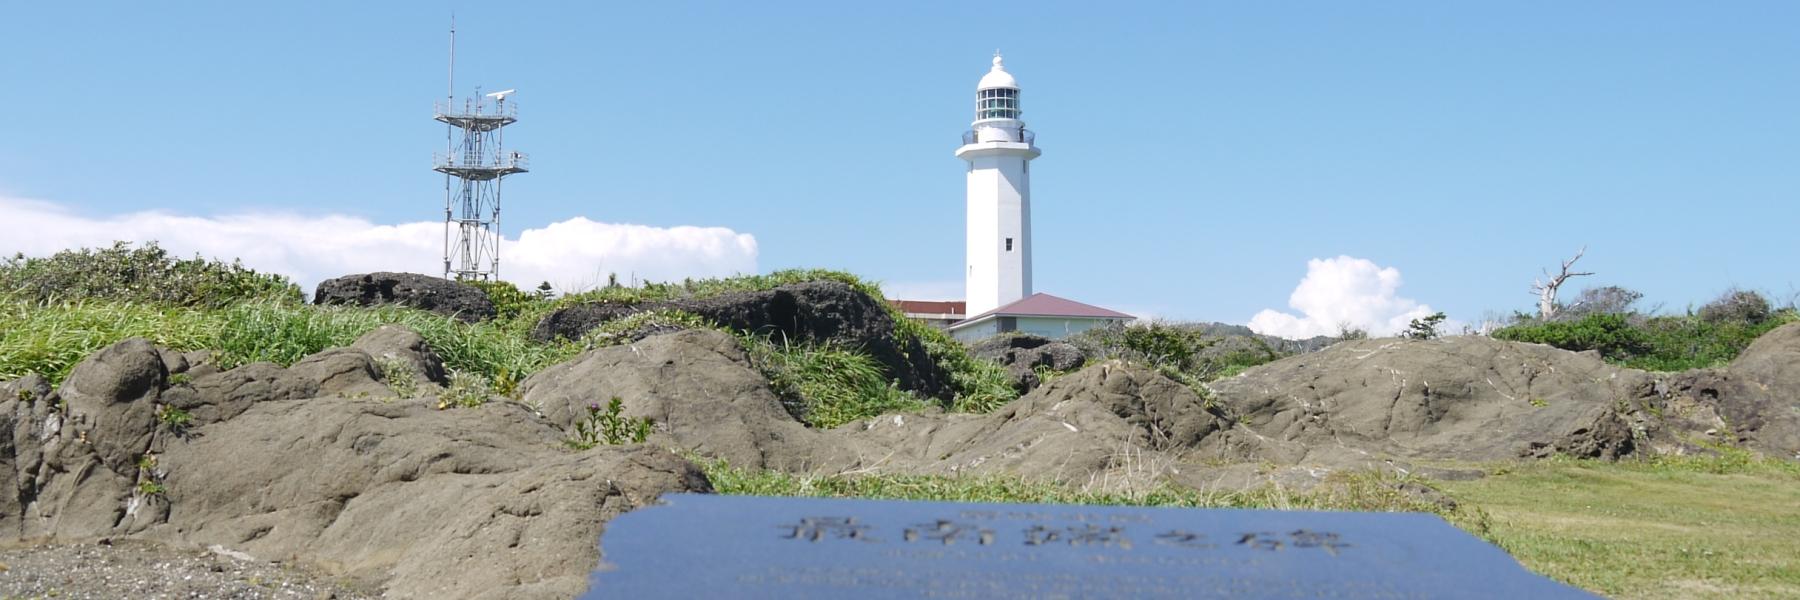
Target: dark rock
<point x="828" y="312"/>
<point x="442" y="296"/>
<point x="1023" y="354"/>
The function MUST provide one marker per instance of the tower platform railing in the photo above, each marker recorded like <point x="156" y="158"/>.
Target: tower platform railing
<point x="1025" y="135"/>
<point x="510" y="160"/>
<point x="476" y="110"/>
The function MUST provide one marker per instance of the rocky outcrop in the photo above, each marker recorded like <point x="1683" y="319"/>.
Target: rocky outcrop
<point x="442" y="296"/>
<point x="696" y="385"/>
<point x="1462" y="398"/>
<point x="422" y="503"/>
<point x="1023" y="354"/>
<point x="827" y="312"/>
<point x="397" y="343"/>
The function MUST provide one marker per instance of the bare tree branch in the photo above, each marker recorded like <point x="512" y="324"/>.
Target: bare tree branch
<point x="1546" y="291"/>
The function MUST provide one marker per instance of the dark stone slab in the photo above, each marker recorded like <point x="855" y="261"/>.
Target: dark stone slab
<point x="708" y="546"/>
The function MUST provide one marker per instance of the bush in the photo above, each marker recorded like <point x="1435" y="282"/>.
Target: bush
<point x="141" y="275"/>
<point x="1424" y="328"/>
<point x="508" y="301"/>
<point x="1612" y="335"/>
<point x="1737" y="306"/>
<point x="1667" y="343"/>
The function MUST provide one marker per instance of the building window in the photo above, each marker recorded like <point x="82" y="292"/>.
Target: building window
<point x="1009" y="244"/>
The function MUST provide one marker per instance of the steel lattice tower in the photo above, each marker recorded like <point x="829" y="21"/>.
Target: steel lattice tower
<point x="473" y="163"/>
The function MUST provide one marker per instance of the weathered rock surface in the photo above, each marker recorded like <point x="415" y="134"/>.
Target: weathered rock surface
<point x="1463" y="398"/>
<point x="422" y="503"/>
<point x="395" y="342"/>
<point x="1022" y="354"/>
<point x="817" y="311"/>
<point x="442" y="296"/>
<point x="697" y="385"/>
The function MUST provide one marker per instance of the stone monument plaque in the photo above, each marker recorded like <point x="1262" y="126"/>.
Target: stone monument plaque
<point x="709" y="546"/>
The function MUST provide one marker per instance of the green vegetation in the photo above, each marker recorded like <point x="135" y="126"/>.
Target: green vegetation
<point x="607" y="426"/>
<point x="1708" y="337"/>
<point x="1365" y="491"/>
<point x="827" y="386"/>
<point x="398" y="374"/>
<point x="149" y="487"/>
<point x="175" y="419"/>
<point x="1425" y="328"/>
<point x="56" y="311"/>
<point x="467" y="390"/>
<point x="1676" y="527"/>
<point x="49" y="339"/>
<point x="144" y="275"/>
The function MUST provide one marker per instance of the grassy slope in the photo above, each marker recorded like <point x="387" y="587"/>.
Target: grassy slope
<point x="1665" y="530"/>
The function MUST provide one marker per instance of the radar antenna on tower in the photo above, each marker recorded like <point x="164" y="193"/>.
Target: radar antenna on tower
<point x="473" y="163"/>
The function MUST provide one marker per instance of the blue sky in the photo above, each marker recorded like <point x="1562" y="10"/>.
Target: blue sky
<point x="1196" y="155"/>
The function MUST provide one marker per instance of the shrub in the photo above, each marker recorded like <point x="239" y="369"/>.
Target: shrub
<point x="145" y="274"/>
<point x="1424" y="328"/>
<point x="1610" y="299"/>
<point x="467" y="390"/>
<point x="1612" y="335"/>
<point x="1737" y="306"/>
<point x="1666" y="343"/>
<point x="508" y="301"/>
<point x="399" y="376"/>
<point x="607" y="426"/>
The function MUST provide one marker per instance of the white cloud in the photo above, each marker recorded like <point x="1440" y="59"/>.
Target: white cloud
<point x="1342" y="291"/>
<point x="572" y="254"/>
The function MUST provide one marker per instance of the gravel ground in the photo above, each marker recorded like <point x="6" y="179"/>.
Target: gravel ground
<point x="137" y="569"/>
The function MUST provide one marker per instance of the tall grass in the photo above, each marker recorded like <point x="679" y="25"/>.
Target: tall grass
<point x="49" y="339"/>
<point x="827" y="386"/>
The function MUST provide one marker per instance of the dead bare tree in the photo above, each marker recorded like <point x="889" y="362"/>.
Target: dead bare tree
<point x="1546" y="290"/>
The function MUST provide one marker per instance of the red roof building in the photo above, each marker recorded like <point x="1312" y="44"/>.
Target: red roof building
<point x="1041" y="314"/>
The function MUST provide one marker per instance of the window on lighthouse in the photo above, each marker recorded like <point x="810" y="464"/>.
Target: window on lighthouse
<point x="997" y="103"/>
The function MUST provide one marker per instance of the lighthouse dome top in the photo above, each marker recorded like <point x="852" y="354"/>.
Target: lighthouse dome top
<point x="997" y="77"/>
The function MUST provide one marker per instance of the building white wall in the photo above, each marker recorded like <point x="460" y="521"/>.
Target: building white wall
<point x="1057" y="328"/>
<point x="999" y="209"/>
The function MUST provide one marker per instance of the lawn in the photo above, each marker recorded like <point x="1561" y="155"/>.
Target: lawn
<point x="1697" y="528"/>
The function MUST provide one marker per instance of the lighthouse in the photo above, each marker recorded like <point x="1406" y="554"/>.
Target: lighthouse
<point x="997" y="275"/>
<point x="998" y="150"/>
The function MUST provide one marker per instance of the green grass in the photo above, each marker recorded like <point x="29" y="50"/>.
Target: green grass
<point x="51" y="339"/>
<point x="1726" y="527"/>
<point x="826" y="386"/>
<point x="1364" y="491"/>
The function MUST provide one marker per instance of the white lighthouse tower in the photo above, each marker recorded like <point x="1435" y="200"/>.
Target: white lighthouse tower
<point x="999" y="151"/>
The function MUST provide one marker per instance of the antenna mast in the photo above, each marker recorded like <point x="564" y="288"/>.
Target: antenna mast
<point x="472" y="172"/>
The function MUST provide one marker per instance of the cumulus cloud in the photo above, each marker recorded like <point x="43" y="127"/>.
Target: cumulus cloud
<point x="571" y="255"/>
<point x="1342" y="291"/>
